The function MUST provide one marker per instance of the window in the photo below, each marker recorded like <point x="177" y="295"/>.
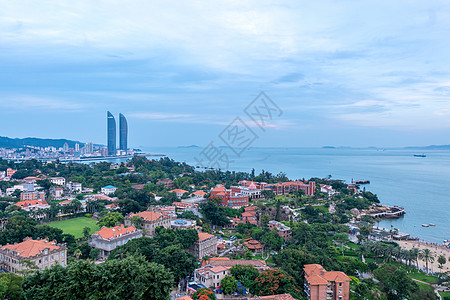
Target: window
<point x="340" y="291"/>
<point x="340" y="283"/>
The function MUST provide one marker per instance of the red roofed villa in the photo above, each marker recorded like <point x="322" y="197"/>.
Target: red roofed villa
<point x="107" y="239"/>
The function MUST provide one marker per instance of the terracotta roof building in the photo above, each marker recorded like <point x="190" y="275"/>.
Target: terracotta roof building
<point x="227" y="262"/>
<point x="205" y="246"/>
<point x="107" y="239"/>
<point x="254" y="246"/>
<point x="151" y="220"/>
<point x="323" y="285"/>
<point x="42" y="253"/>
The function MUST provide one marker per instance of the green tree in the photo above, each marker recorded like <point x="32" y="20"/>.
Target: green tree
<point x="427" y="256"/>
<point x="128" y="278"/>
<point x="341" y="238"/>
<point x="245" y="275"/>
<point x="11" y="286"/>
<point x="228" y="284"/>
<point x="86" y="232"/>
<point x="395" y="282"/>
<point x="265" y="220"/>
<point x="111" y="219"/>
<point x="442" y="260"/>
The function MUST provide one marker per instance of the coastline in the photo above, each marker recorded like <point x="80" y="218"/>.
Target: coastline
<point x="436" y="249"/>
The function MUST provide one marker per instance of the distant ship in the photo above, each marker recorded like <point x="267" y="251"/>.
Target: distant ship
<point x="420" y="155"/>
<point x="425" y="225"/>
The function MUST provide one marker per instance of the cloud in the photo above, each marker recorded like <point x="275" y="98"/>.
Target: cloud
<point x="39" y="103"/>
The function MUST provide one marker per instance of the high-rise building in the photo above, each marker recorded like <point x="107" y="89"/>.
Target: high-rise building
<point x="111" y="131"/>
<point x="77" y="147"/>
<point x="123" y="133"/>
<point x="65" y="147"/>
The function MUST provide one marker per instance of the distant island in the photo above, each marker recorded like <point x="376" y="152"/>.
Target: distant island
<point x="191" y="146"/>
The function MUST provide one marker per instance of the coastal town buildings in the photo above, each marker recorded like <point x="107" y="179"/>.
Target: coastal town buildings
<point x="150" y="220"/>
<point x="211" y="276"/>
<point x="75" y="187"/>
<point x="260" y="265"/>
<point x="108" y="190"/>
<point x="205" y="246"/>
<point x="42" y="253"/>
<point x="283" y="188"/>
<point x="283" y="230"/>
<point x="107" y="239"/>
<point x="323" y="285"/>
<point x="228" y="197"/>
<point x="58" y="180"/>
<point x="32" y="204"/>
<point x="10" y="172"/>
<point x="178" y="192"/>
<point x="166" y="182"/>
<point x="28" y="196"/>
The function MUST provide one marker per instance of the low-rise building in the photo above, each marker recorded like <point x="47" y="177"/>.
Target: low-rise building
<point x="75" y="187"/>
<point x="32" y="204"/>
<point x="166" y="182"/>
<point x="229" y="197"/>
<point x="29" y="196"/>
<point x="205" y="246"/>
<point x="42" y="253"/>
<point x="58" y="180"/>
<point x="254" y="246"/>
<point x="107" y="239"/>
<point x="211" y="276"/>
<point x="10" y="172"/>
<point x="325" y="285"/>
<point x="283" y="230"/>
<point x="182" y="224"/>
<point x="150" y="220"/>
<point x="57" y="192"/>
<point x="260" y="265"/>
<point x="178" y="192"/>
<point x="198" y="194"/>
<point x="109" y="189"/>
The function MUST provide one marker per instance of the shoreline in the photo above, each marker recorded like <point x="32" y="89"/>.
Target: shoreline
<point x="436" y="249"/>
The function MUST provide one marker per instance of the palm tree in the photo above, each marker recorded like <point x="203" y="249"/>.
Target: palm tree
<point x="441" y="260"/>
<point x="414" y="255"/>
<point x="77" y="253"/>
<point x="427" y="256"/>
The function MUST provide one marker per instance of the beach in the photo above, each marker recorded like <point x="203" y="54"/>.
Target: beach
<point x="436" y="249"/>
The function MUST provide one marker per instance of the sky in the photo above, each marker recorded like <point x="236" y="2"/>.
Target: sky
<point x="343" y="73"/>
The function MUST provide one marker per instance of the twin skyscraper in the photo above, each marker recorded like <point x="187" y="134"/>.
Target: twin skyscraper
<point x="111" y="131"/>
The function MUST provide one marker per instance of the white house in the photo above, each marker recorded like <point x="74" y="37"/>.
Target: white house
<point x="58" y="180"/>
<point x="109" y="189"/>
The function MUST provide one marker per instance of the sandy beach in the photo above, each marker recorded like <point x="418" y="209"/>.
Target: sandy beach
<point x="435" y="249"/>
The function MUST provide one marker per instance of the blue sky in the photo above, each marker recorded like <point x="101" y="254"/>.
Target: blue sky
<point x="355" y="73"/>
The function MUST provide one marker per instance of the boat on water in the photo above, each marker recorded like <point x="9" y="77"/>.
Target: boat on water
<point x="420" y="155"/>
<point x="425" y="225"/>
<point x="431" y="224"/>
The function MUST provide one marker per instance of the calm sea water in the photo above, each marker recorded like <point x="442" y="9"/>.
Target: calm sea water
<point x="419" y="184"/>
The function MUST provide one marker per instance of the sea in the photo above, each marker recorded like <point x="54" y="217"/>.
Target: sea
<point x="419" y="184"/>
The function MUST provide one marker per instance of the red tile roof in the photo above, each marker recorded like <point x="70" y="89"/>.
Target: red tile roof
<point x="29" y="203"/>
<point x="113" y="232"/>
<point x="199" y="193"/>
<point x="148" y="215"/>
<point x="30" y="247"/>
<point x="178" y="191"/>
<point x="203" y="236"/>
